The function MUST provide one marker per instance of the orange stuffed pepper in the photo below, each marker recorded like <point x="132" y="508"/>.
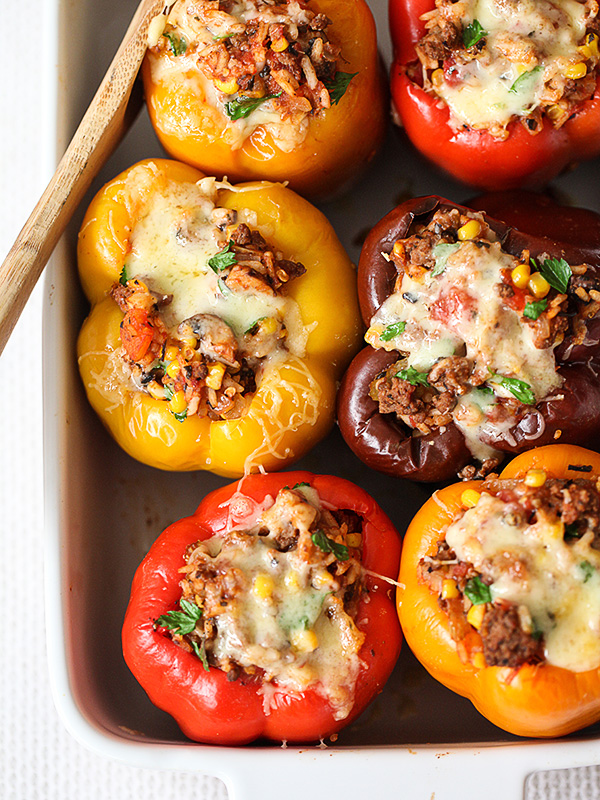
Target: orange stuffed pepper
<point x="502" y="591"/>
<point x="211" y="343"/>
<point x="289" y="92"/>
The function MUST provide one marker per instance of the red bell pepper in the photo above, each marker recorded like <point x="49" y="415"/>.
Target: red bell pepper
<point x="207" y="706"/>
<point x="474" y="156"/>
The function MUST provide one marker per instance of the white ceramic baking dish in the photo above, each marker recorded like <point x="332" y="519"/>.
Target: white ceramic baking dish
<point x="103" y="510"/>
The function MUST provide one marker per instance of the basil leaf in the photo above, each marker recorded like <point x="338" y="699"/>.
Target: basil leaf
<point x="587" y="569"/>
<point x="441" y="253"/>
<point x="327" y="545"/>
<point x="413" y="376"/>
<point x="242" y="107"/>
<point x="525" y="81"/>
<point x="200" y="651"/>
<point x="534" y="309"/>
<point x="223" y="259"/>
<point x="477" y="591"/>
<point x="557" y="272"/>
<point x="519" y="389"/>
<point x="123" y="276"/>
<point x="181" y="622"/>
<point x="178" y="43"/>
<point x="473" y="33"/>
<point x="337" y="87"/>
<point x="393" y="330"/>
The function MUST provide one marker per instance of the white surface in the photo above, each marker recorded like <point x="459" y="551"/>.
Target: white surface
<point x="38" y="758"/>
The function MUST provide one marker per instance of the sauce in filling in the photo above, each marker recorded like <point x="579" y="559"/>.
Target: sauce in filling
<point x="277" y="599"/>
<point x="492" y="61"/>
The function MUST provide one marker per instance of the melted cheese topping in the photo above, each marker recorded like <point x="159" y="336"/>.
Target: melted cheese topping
<point x="533" y="566"/>
<point x="499" y="84"/>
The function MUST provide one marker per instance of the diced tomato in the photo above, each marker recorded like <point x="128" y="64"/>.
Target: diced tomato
<point x="454" y="308"/>
<point x="136" y="333"/>
<point x="452" y="74"/>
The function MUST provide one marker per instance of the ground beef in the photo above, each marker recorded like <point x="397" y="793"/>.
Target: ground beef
<point x="576" y="502"/>
<point x="505" y="643"/>
<point x="451" y="374"/>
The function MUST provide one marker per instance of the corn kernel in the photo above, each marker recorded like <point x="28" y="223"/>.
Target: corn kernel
<point x="263" y="586"/>
<point x="292" y="581"/>
<point x="354" y="539"/>
<point x="177" y="403"/>
<point x="585" y="50"/>
<point x="470" y="498"/>
<point x="554" y="112"/>
<point x="279" y="45"/>
<point x="538" y="285"/>
<point x="321" y="580"/>
<point x="520" y="275"/>
<point x="449" y="589"/>
<point x="171" y="352"/>
<point x="591" y="41"/>
<point x="305" y="641"/>
<point x="575" y="71"/>
<point x="214" y="379"/>
<point x="268" y="325"/>
<point x="475" y="615"/>
<point x="535" y="478"/>
<point x="172" y="369"/>
<point x="155" y="390"/>
<point x="437" y="77"/>
<point x="227" y="87"/>
<point x="521" y="68"/>
<point x="398" y="248"/>
<point x="469" y="230"/>
<point x="478" y="661"/>
<point x="190" y="341"/>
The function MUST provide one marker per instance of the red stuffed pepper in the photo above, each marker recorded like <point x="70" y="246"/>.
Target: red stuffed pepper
<point x="498" y="94"/>
<point x="484" y="341"/>
<point x="267" y="613"/>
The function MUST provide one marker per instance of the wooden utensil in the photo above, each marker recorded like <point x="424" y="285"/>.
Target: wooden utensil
<point x="104" y="124"/>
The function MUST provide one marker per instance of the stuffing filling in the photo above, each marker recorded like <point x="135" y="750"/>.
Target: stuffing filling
<point x="259" y="61"/>
<point x="492" y="61"/>
<point x="278" y="600"/>
<point x="517" y="573"/>
<point x="475" y="329"/>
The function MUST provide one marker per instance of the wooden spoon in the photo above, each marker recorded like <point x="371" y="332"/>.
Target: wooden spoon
<point x="103" y="126"/>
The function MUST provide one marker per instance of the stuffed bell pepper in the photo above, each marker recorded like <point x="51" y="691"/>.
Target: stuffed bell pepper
<point x="501" y="597"/>
<point x="498" y="94"/>
<point x="210" y="344"/>
<point x="483" y="341"/>
<point x="269" y="612"/>
<point x="248" y="90"/>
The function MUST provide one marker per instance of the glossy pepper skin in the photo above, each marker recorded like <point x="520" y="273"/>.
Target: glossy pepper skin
<point x="341" y="140"/>
<point x="293" y="407"/>
<point x="385" y="445"/>
<point x="474" y="157"/>
<point x="540" y="700"/>
<point x="207" y="706"/>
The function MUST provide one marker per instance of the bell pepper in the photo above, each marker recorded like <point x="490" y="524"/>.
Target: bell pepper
<point x="474" y="156"/>
<point x="568" y="415"/>
<point x="193" y="130"/>
<point x="537" y="699"/>
<point x="293" y="406"/>
<point x="207" y="706"/>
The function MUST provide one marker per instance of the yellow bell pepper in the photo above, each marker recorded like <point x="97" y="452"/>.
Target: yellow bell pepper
<point x="293" y="406"/>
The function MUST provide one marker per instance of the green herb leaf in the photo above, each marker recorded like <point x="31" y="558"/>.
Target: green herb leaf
<point x="123" y="277"/>
<point x="393" y="330"/>
<point x="413" y="376"/>
<point x="337" y="87"/>
<point x="242" y="107"/>
<point x="223" y="259"/>
<point x="557" y="272"/>
<point x="327" y="545"/>
<point x="181" y="622"/>
<point x="534" y="309"/>
<point x="178" y="43"/>
<point x="254" y="324"/>
<point x="299" y="485"/>
<point x="200" y="651"/>
<point x="223" y="288"/>
<point x="473" y="33"/>
<point x="441" y="253"/>
<point x="477" y="591"/>
<point x="571" y="532"/>
<point x="180" y="416"/>
<point x="526" y="80"/>
<point x="587" y="569"/>
<point x="519" y="389"/>
<point x="168" y="391"/>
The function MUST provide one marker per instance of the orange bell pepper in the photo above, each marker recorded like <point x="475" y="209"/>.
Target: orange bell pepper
<point x="538" y="700"/>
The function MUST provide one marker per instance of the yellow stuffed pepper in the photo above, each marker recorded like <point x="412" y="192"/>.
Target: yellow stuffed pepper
<point x="222" y="317"/>
<point x="252" y="90"/>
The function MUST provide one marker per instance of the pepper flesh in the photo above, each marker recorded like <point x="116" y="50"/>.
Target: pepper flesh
<point x="535" y="700"/>
<point x="206" y="705"/>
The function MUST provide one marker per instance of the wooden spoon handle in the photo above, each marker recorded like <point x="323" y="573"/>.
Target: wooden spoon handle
<point x="102" y="127"/>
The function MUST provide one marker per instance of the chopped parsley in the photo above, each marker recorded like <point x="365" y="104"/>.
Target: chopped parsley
<point x="337" y="87"/>
<point x="184" y="621"/>
<point x="587" y="569"/>
<point x="519" y="389"/>
<point x="223" y="288"/>
<point x="393" y="330"/>
<point x="242" y="107"/>
<point x="123" y="278"/>
<point x="473" y="33"/>
<point x="534" y="309"/>
<point x="254" y="324"/>
<point x="178" y="43"/>
<point x="413" y="376"/>
<point x="327" y="545"/>
<point x="571" y="532"/>
<point x="223" y="259"/>
<point x="525" y="81"/>
<point x="557" y="272"/>
<point x="300" y="485"/>
<point x="441" y="253"/>
<point x="477" y="591"/>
